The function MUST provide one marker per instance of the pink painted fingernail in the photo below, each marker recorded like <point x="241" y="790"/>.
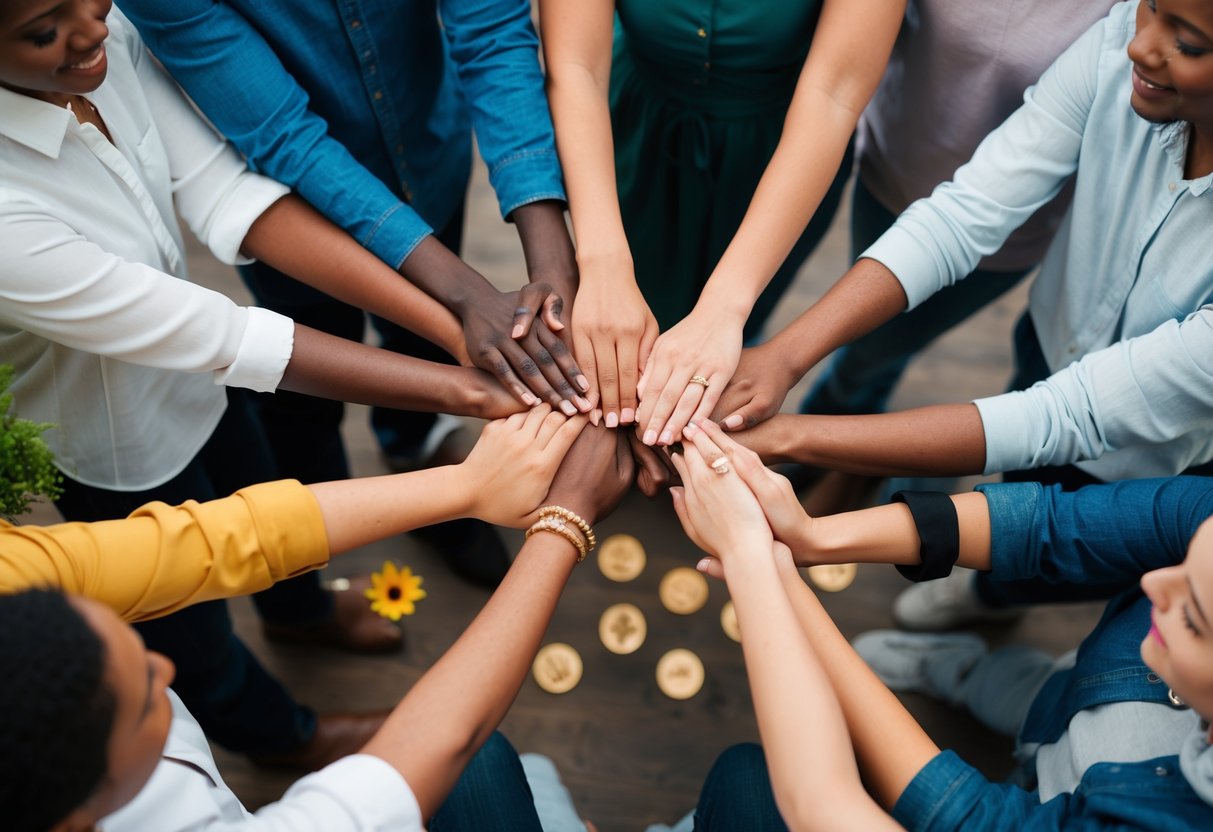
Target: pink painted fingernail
<point x="612" y="420"/>
<point x="666" y="437"/>
<point x="733" y="421"/>
<point x="583" y="404"/>
<point x="628" y="415"/>
<point x="703" y="564"/>
<point x="568" y="407"/>
<point x="690" y="430"/>
<point x="529" y="400"/>
<point x="583" y="383"/>
<point x="518" y="330"/>
<point x="650" y="436"/>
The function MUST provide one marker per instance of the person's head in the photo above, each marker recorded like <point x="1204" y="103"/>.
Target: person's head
<point x="1172" y="55"/>
<point x="84" y="713"/>
<point x="1179" y="646"/>
<point x="50" y="49"/>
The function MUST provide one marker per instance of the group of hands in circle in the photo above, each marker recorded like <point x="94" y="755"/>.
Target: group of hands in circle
<point x="729" y="503"/>
<point x="614" y="367"/>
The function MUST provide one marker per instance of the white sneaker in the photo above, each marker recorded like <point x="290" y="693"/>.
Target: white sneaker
<point x="920" y="662"/>
<point x="946" y="603"/>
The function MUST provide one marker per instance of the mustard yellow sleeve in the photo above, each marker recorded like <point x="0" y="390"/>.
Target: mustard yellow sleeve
<point x="163" y="558"/>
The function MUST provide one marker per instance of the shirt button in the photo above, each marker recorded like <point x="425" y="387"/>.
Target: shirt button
<point x="355" y="24"/>
<point x="366" y="54"/>
<point x="407" y="191"/>
<point x="1073" y="348"/>
<point x="1153" y="678"/>
<point x="1171" y="187"/>
<point x="1162" y="771"/>
<point x="702" y="33"/>
<point x="378" y="95"/>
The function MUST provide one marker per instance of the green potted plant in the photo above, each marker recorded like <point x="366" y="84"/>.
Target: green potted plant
<point x="27" y="464"/>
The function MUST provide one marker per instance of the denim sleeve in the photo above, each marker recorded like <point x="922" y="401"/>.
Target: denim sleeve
<point x="494" y="48"/>
<point x="237" y="80"/>
<point x="1100" y="536"/>
<point x="948" y="794"/>
<point x="1017" y="169"/>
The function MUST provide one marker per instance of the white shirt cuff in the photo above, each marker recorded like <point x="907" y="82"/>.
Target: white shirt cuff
<point x="265" y="350"/>
<point x="242" y="205"/>
<point x="909" y="261"/>
<point x="360" y="792"/>
<point x="1008" y="432"/>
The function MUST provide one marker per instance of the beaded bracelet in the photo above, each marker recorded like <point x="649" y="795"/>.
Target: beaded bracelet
<point x="575" y="519"/>
<point x="557" y="524"/>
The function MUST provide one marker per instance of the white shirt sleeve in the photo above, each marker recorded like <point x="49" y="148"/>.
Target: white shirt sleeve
<point x="216" y="194"/>
<point x="67" y="289"/>
<point x="1143" y="391"/>
<point x="1017" y="169"/>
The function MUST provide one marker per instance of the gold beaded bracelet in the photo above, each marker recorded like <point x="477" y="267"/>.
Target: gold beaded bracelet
<point x="575" y="519"/>
<point x="558" y="525"/>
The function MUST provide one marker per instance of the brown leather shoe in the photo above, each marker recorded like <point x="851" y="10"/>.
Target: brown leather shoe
<point x="353" y="626"/>
<point x="337" y="736"/>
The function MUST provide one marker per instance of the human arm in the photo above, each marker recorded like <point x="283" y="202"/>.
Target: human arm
<point x="808" y="737"/>
<point x="443" y="720"/>
<point x="613" y="329"/>
<point x="846" y="60"/>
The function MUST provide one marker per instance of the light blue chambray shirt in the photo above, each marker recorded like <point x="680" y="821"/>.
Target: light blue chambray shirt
<point x="1122" y="304"/>
<point x="365" y="107"/>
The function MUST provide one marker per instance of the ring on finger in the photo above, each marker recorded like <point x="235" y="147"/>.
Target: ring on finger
<point x="721" y="465"/>
<point x="699" y="380"/>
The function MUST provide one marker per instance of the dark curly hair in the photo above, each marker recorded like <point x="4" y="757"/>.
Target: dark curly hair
<point x="56" y="711"/>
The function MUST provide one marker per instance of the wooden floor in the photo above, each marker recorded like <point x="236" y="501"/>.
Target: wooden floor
<point x="630" y="755"/>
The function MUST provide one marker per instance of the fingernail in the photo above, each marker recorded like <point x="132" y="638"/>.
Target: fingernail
<point x="703" y="564"/>
<point x="733" y="421"/>
<point x="518" y="330"/>
<point x="628" y="415"/>
<point x="583" y="404"/>
<point x="568" y="407"/>
<point x="690" y="430"/>
<point x="529" y="400"/>
<point x="595" y="415"/>
<point x="650" y="436"/>
<point x="666" y="437"/>
<point x="583" y="383"/>
<point x="612" y="420"/>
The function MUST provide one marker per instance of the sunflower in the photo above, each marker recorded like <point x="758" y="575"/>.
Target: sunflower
<point x="393" y="591"/>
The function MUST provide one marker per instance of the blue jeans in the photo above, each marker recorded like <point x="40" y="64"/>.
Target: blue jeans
<point x="861" y="375"/>
<point x="237" y="703"/>
<point x="304" y="432"/>
<point x="492" y="794"/>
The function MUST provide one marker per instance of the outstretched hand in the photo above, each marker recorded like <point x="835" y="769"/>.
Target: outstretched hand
<point x="595" y="474"/>
<point x="756" y="389"/>
<point x="512" y="467"/>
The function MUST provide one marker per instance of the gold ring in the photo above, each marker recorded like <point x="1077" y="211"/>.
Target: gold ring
<point x="720" y="465"/>
<point x="699" y="380"/>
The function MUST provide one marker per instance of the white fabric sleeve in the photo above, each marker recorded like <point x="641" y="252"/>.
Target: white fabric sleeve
<point x="1017" y="169"/>
<point x="360" y="793"/>
<point x="215" y="193"/>
<point x="1143" y="391"/>
<point x="56" y="284"/>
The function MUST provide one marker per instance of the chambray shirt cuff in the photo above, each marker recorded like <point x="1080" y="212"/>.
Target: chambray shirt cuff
<point x="1013" y="507"/>
<point x="360" y="792"/>
<point x="940" y="795"/>
<point x="398" y="231"/>
<point x="243" y="204"/>
<point x="910" y="262"/>
<point x="526" y="177"/>
<point x="264" y="351"/>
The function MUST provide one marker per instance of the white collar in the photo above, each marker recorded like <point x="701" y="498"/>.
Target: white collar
<point x="37" y="124"/>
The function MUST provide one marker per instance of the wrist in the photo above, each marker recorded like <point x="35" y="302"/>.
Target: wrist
<point x="723" y="306"/>
<point x="606" y="265"/>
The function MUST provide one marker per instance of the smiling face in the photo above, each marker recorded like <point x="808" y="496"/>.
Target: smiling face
<point x="1172" y="56"/>
<point x="138" y="680"/>
<point x="1179" y="646"/>
<point x="51" y="49"/>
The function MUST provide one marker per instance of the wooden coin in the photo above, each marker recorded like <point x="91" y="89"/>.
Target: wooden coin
<point x="557" y="668"/>
<point x="680" y="674"/>
<point x="728" y="621"/>
<point x="621" y="557"/>
<point x="622" y="629"/>
<point x="833" y="577"/>
<point x="683" y="591"/>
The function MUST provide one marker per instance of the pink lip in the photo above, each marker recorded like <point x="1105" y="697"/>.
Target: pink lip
<point x="1149" y="89"/>
<point x="1154" y="633"/>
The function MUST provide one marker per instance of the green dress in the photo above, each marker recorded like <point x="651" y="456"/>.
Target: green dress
<point x="699" y="91"/>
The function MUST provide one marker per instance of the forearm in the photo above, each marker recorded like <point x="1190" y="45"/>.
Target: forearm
<point x="444" y="719"/>
<point x="547" y="247"/>
<point x="366" y="509"/>
<point x="805" y="738"/>
<point x="296" y="240"/>
<point x="887" y="534"/>
<point x="335" y="368"/>
<point x="443" y="276"/>
<point x="940" y="440"/>
<point x="890" y="746"/>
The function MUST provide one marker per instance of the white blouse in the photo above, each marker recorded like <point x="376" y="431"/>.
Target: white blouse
<point x="97" y="313"/>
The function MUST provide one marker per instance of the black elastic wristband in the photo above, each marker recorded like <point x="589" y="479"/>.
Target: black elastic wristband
<point x="935" y="518"/>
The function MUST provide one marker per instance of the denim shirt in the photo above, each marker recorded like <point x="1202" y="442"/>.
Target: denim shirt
<point x="1103" y="537"/>
<point x="364" y="106"/>
<point x="1123" y="303"/>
